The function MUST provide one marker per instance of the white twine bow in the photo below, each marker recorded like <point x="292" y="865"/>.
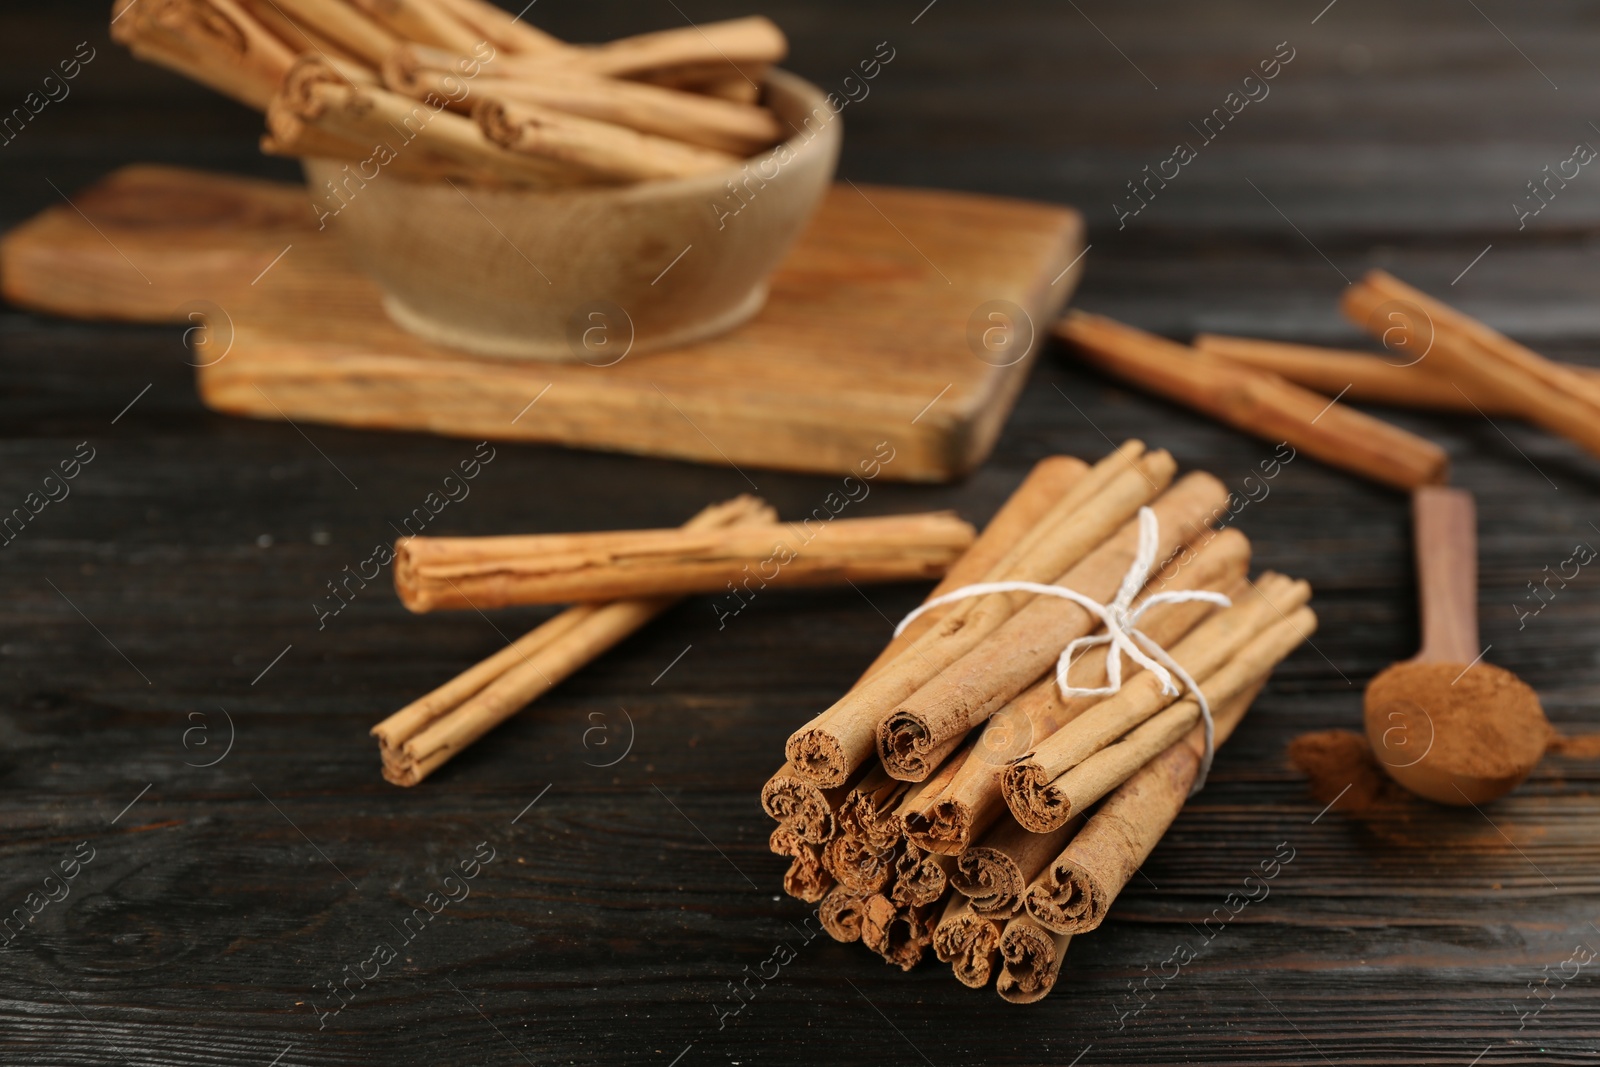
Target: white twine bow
<point x="1119" y="618"/>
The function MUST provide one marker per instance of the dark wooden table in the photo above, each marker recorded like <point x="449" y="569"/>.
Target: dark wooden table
<point x="171" y="596"/>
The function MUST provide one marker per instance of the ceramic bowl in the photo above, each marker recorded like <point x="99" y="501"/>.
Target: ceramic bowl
<point x="589" y="272"/>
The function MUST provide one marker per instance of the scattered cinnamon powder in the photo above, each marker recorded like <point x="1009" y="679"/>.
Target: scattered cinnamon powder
<point x="1343" y="771"/>
<point x="1581" y="746"/>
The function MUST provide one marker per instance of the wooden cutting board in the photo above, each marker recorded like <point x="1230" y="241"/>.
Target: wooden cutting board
<point x="880" y="327"/>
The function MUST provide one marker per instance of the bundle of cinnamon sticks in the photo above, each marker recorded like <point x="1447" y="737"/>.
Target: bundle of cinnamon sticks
<point x="618" y="581"/>
<point x="462" y="89"/>
<point x="954" y="799"/>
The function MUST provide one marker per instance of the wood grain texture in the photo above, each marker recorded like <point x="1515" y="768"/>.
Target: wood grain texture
<point x="865" y="339"/>
<point x="1396" y="138"/>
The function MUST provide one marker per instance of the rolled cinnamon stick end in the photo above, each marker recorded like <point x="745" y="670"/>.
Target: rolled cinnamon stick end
<point x="807" y="878"/>
<point x="802" y="805"/>
<point x="920" y="877"/>
<point x="841" y="913"/>
<point x="899" y="934"/>
<point x="968" y="942"/>
<point x="995" y="873"/>
<point x="1257" y="402"/>
<point x="858" y="864"/>
<point x="1033" y="957"/>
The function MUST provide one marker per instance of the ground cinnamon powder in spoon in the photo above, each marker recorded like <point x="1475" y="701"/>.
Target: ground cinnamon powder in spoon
<point x="1481" y="722"/>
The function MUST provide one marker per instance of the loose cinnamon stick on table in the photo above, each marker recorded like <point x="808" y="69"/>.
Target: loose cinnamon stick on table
<point x="432" y="573"/>
<point x="420" y="737"/>
<point x="1031" y="783"/>
<point x="1544" y="392"/>
<point x="921" y="730"/>
<point x="1257" y="402"/>
<point x="968" y="942"/>
<point x="1075" y="891"/>
<point x="1033" y="957"/>
<point x="832" y="745"/>
<point x="603" y="149"/>
<point x="974" y="800"/>
<point x="1355" y="375"/>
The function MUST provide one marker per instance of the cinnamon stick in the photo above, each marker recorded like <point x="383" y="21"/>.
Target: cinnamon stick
<point x="423" y="22"/>
<point x="842" y="738"/>
<point x="1033" y="957"/>
<point x="1483" y="360"/>
<point x="899" y="934"/>
<point x="296" y="36"/>
<point x="343" y="24"/>
<point x="920" y="877"/>
<point x="841" y="913"/>
<point x="1257" y="402"/>
<point x="422" y="736"/>
<point x="922" y="729"/>
<point x="731" y="43"/>
<point x="315" y="93"/>
<point x="996" y="872"/>
<point x="738" y="129"/>
<point x="968" y="942"/>
<point x="214" y="42"/>
<point x="807" y="878"/>
<point x="1030" y="783"/>
<point x="433" y="573"/>
<point x="803" y="805"/>
<point x="859" y="864"/>
<point x="603" y="149"/>
<point x="1075" y="891"/>
<point x="974" y="800"/>
<point x="502" y="29"/>
<point x="1357" y="375"/>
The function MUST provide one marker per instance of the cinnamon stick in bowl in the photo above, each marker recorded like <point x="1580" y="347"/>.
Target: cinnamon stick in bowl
<point x="1257" y="402"/>
<point x="602" y="149"/>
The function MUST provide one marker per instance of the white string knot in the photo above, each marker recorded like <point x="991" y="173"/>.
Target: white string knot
<point x="1121" y="632"/>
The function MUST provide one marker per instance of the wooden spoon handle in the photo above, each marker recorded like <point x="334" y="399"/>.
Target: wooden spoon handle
<point x="1447" y="573"/>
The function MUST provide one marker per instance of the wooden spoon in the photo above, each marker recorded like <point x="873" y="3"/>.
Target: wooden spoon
<point x="1444" y="724"/>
